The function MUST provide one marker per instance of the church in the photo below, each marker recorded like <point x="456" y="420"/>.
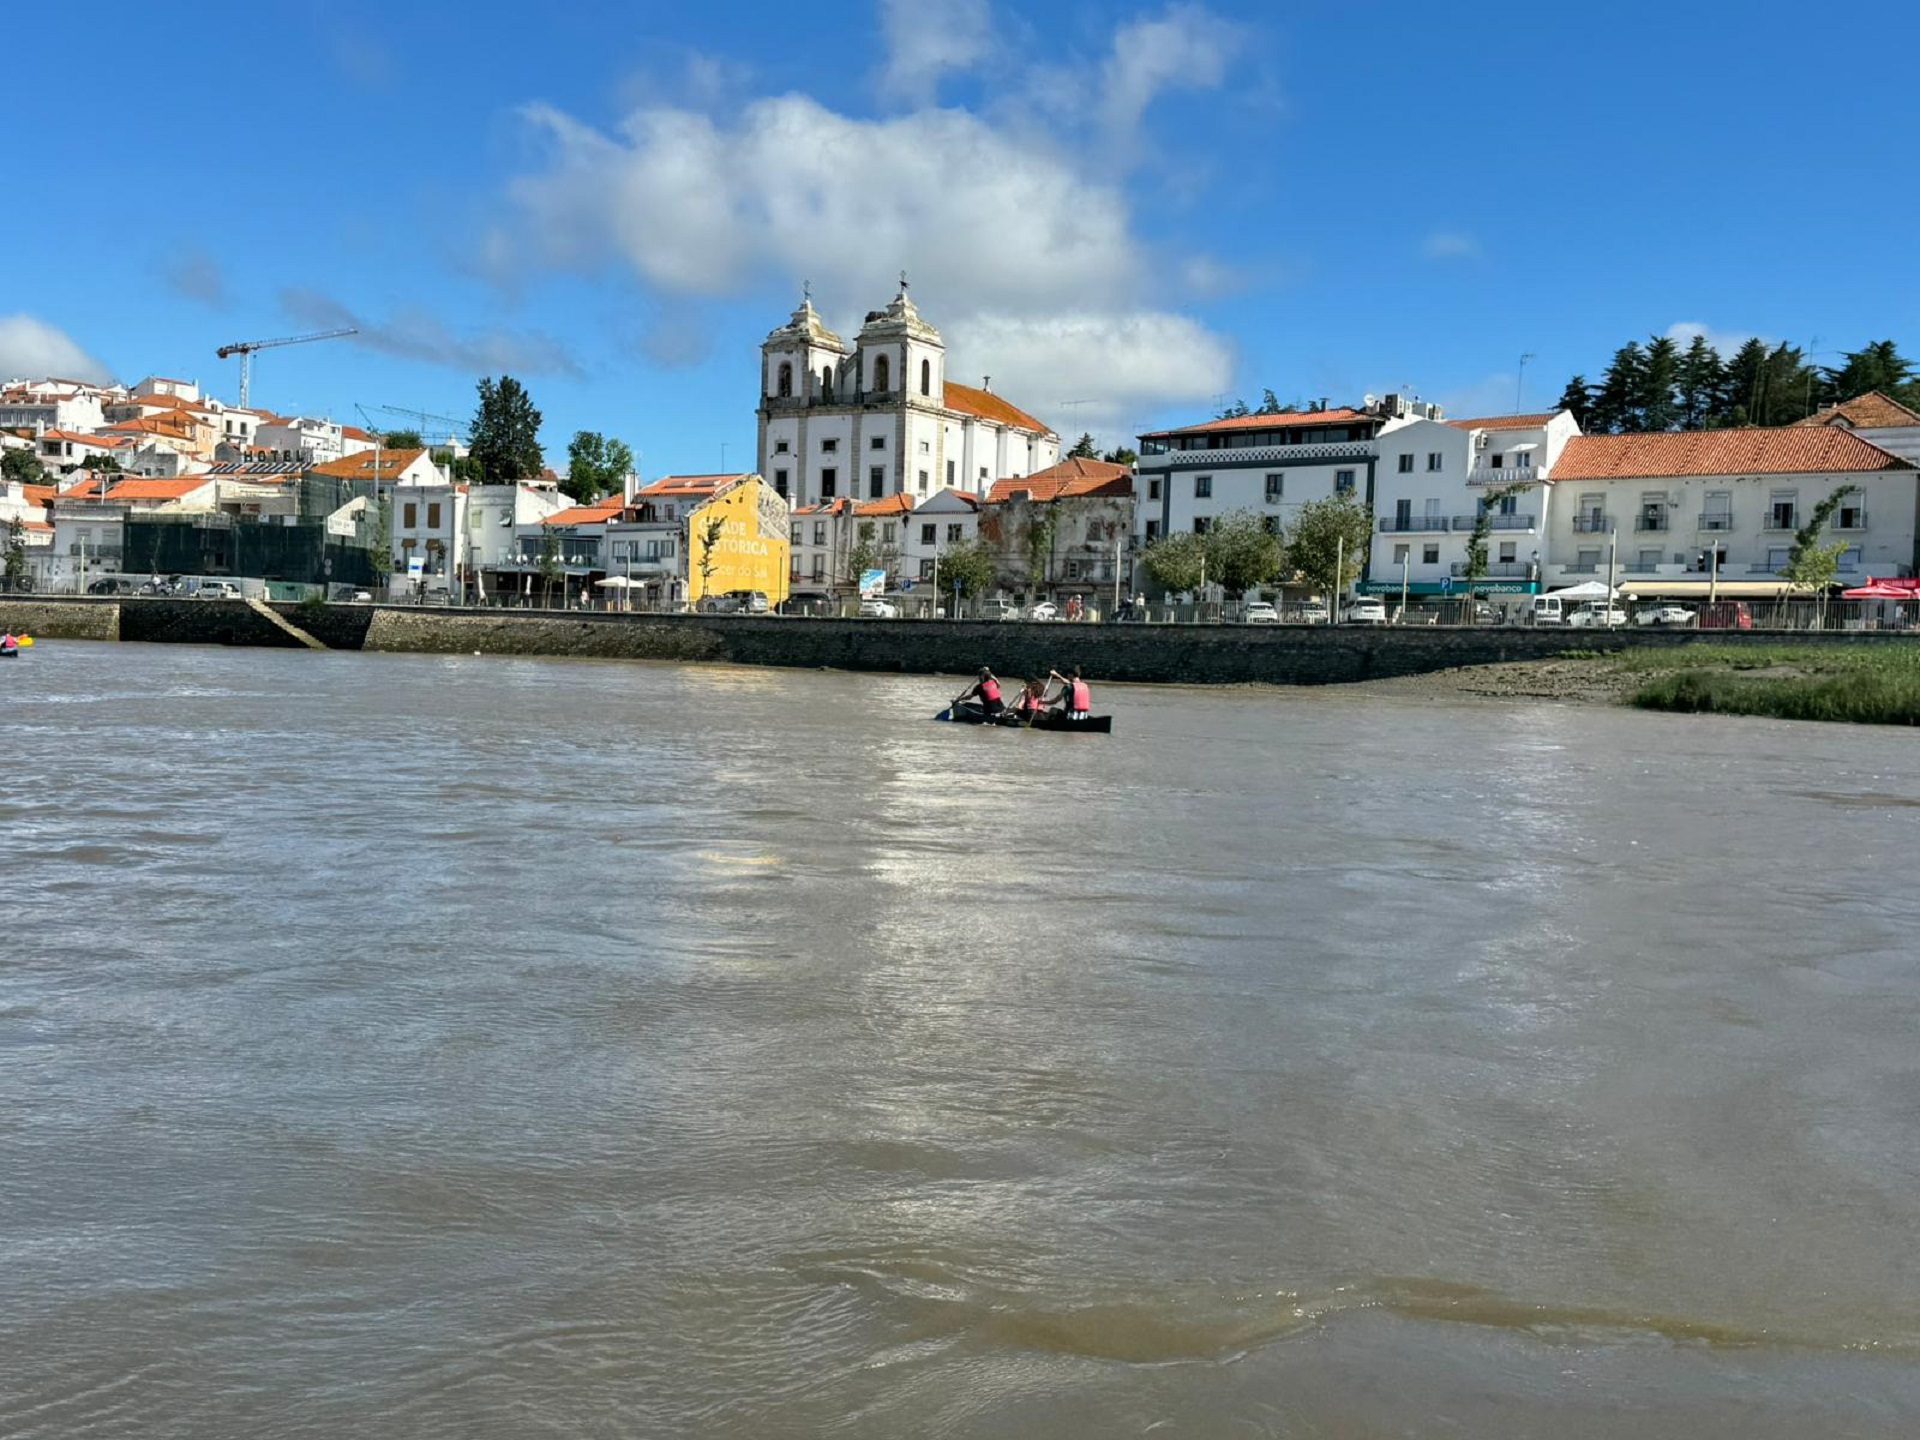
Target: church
<point x="881" y="418"/>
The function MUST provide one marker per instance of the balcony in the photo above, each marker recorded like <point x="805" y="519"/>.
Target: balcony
<point x="1715" y="520"/>
<point x="1498" y="570"/>
<point x="1850" y="520"/>
<point x="1781" y="520"/>
<point x="1506" y="475"/>
<point x="1649" y="524"/>
<point x="1498" y="520"/>
<point x="1592" y="523"/>
<point x="97" y="552"/>
<point x="1412" y="524"/>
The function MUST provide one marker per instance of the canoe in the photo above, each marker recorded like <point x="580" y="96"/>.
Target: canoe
<point x="971" y="714"/>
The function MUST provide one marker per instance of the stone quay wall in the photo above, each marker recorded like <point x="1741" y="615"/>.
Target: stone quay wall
<point x="1177" y="654"/>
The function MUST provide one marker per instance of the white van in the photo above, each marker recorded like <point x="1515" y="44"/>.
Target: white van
<point x="1549" y="610"/>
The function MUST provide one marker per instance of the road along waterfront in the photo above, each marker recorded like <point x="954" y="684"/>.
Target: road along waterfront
<point x="435" y="1046"/>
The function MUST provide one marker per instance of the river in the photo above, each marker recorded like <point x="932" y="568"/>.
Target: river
<point x="434" y="1047"/>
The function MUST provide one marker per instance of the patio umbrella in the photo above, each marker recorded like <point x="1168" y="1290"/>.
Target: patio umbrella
<point x="1884" y="590"/>
<point x="618" y="582"/>
<point x="1585" y="590"/>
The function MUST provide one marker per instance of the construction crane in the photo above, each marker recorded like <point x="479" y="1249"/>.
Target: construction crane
<point x="456" y="429"/>
<point x="245" y="348"/>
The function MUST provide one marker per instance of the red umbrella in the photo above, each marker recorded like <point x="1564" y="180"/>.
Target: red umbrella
<point x="1889" y="589"/>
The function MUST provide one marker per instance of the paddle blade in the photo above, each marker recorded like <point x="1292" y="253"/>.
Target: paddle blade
<point x="946" y="714"/>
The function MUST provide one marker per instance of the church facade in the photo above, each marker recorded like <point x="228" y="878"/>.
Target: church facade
<point x="880" y="417"/>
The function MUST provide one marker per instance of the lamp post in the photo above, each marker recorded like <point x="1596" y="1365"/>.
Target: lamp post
<point x="1613" y="550"/>
<point x="1406" y="560"/>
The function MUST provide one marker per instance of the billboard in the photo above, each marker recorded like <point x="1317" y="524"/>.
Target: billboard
<point x="873" y="584"/>
<point x="738" y="541"/>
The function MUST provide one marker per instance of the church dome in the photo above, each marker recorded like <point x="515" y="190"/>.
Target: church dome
<point x="900" y="319"/>
<point x="807" y="328"/>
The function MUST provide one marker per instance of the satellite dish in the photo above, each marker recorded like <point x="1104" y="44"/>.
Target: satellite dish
<point x="1370" y="401"/>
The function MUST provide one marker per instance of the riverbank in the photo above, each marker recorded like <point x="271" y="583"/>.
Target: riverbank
<point x="1869" y="683"/>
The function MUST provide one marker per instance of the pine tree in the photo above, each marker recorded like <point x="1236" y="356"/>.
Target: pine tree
<point x="1578" y="398"/>
<point x="1698" y="383"/>
<point x="1744" y="390"/>
<point x="1616" y="401"/>
<point x="1655" y="402"/>
<point x="1877" y="366"/>
<point x="1084" y="448"/>
<point x="1793" y="386"/>
<point x="506" y="432"/>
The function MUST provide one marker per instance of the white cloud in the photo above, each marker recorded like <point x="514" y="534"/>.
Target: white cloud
<point x="31" y="349"/>
<point x="991" y="217"/>
<point x="1450" y="245"/>
<point x="925" y="42"/>
<point x="1494" y="395"/>
<point x="195" y="274"/>
<point x="414" y="334"/>
<point x="1726" y="342"/>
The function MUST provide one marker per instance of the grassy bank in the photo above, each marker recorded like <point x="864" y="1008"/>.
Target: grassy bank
<point x="1863" y="684"/>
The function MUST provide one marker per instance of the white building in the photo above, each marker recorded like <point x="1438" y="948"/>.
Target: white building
<point x="53" y="404"/>
<point x="1268" y="464"/>
<point x="64" y="450"/>
<point x="300" y="437"/>
<point x="1877" y="418"/>
<point x="1657" y="509"/>
<point x="497" y="515"/>
<point x="938" y="523"/>
<point x="881" y="418"/>
<point x="1432" y="479"/>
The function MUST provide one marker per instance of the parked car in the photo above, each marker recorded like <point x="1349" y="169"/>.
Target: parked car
<point x="1664" y="615"/>
<point x="1365" y="610"/>
<point x="879" y="610"/>
<point x="1726" y="615"/>
<point x="1002" y="608"/>
<point x="1597" y="613"/>
<point x="1487" y="614"/>
<point x="363" y="597"/>
<point x="1313" y="612"/>
<point x="217" y="590"/>
<point x="1260" y="612"/>
<point x="111" y="587"/>
<point x="1045" y="610"/>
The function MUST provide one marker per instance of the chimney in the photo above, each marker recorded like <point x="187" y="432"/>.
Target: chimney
<point x="986" y="382"/>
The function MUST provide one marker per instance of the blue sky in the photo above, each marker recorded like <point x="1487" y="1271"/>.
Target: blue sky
<point x="1120" y="212"/>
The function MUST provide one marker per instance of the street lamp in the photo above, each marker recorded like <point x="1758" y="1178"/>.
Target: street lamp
<point x="1406" y="560"/>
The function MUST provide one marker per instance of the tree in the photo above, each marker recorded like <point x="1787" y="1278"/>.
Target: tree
<point x="1877" y="366"/>
<point x="1476" y="566"/>
<point x="506" y="432"/>
<point x="1242" y="552"/>
<point x="968" y="565"/>
<point x="1698" y="381"/>
<point x="1657" y="409"/>
<point x="1577" y="397"/>
<point x="866" y="553"/>
<point x="1176" y="563"/>
<point x="1121" y="456"/>
<point x="402" y="440"/>
<point x="1325" y="529"/>
<point x="380" y="543"/>
<point x="1744" y="385"/>
<point x="1811" y="565"/>
<point x="1083" y="448"/>
<point x="550" y="566"/>
<point x="16" y="565"/>
<point x="104" y="465"/>
<point x="23" y="467"/>
<point x="1616" y="400"/>
<point x="466" y="470"/>
<point x="596" y="466"/>
<point x="710" y="534"/>
<point x="1233" y="411"/>
<point x="1269" y="404"/>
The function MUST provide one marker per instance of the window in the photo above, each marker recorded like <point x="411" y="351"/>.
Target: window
<point x="1153" y="489"/>
<point x="1852" y="515"/>
<point x="1343" y="482"/>
<point x="786" y="381"/>
<point x="1153" y="531"/>
<point x="949" y="472"/>
<point x="780" y="447"/>
<point x="1780" y="515"/>
<point x="1402" y="553"/>
<point x="926" y="447"/>
<point x="1507" y="556"/>
<point x="882" y="379"/>
<point x="983" y="474"/>
<point x="1276" y="486"/>
<point x="955" y="533"/>
<point x="1434" y="460"/>
<point x="878" y="442"/>
<point x="1587" y="561"/>
<point x="876" y="481"/>
<point x="1202" y="524"/>
<point x="1406" y="464"/>
<point x="830" y="446"/>
<point x="1430" y="555"/>
<point x="1777" y="558"/>
<point x="1716" y="510"/>
<point x="886" y="532"/>
<point x="1523" y="461"/>
<point x="826" y="384"/>
<point x="926" y="569"/>
<point x="1203" y="487"/>
<point x="928" y="534"/>
<point x="780" y="483"/>
<point x="1649" y="561"/>
<point x="410" y="515"/>
<point x="819" y="568"/>
<point x="819" y="532"/>
<point x="1270" y="524"/>
<point x="926" y="377"/>
<point x="1851" y="558"/>
<point x="796" y="532"/>
<point x="433" y="514"/>
<point x="923" y="482"/>
<point x="829" y="483"/>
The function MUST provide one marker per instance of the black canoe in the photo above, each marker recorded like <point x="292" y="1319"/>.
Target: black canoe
<point x="972" y="714"/>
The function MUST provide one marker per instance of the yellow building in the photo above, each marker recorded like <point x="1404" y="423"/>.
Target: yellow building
<point x="737" y="539"/>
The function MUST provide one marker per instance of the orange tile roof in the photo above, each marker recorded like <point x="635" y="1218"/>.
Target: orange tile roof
<point x="354" y="432"/>
<point x="105" y="442"/>
<point x="1789" y="451"/>
<point x="39" y="494"/>
<point x="35" y="525"/>
<point x="1871" y="411"/>
<point x="359" y="466"/>
<point x="989" y="406"/>
<point x="1281" y="420"/>
<point x="891" y="505"/>
<point x="1505" y="422"/>
<point x="597" y="513"/>
<point x="158" y="489"/>
<point x="1070" y="478"/>
<point x="687" y="484"/>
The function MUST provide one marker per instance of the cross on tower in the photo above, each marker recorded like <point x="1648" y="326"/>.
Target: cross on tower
<point x="806" y="291"/>
<point x="903" y="282"/>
